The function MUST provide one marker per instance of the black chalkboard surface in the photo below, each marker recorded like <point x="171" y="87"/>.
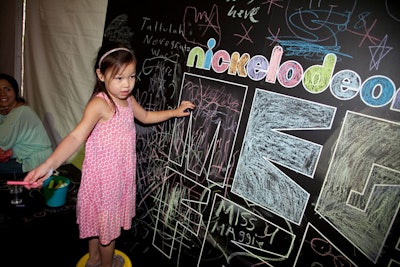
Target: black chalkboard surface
<point x="292" y="155"/>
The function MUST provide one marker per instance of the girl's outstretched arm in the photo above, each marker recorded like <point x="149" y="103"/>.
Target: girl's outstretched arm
<point x="97" y="109"/>
<point x="149" y="117"/>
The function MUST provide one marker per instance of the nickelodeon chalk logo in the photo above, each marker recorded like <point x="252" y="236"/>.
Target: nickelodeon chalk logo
<point x="376" y="91"/>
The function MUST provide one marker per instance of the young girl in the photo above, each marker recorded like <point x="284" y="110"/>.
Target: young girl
<point x="107" y="192"/>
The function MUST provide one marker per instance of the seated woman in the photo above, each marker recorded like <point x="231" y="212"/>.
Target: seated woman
<point x="24" y="142"/>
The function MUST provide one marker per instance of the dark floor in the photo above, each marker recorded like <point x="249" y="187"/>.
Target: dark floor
<point x="33" y="234"/>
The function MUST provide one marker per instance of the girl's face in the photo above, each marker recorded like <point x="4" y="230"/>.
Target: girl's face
<point x="7" y="94"/>
<point x="121" y="85"/>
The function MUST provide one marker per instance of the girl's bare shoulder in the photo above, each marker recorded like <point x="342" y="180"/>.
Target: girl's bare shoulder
<point x="100" y="106"/>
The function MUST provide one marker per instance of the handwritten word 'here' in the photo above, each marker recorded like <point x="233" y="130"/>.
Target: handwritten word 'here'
<point x="376" y="91"/>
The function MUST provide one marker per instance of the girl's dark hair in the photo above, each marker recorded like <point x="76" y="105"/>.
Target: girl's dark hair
<point x="14" y="84"/>
<point x="113" y="56"/>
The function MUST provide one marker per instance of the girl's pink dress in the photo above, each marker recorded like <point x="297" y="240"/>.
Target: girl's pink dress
<point x="107" y="193"/>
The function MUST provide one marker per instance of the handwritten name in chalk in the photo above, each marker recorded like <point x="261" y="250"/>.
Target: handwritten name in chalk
<point x="156" y="26"/>
<point x="375" y="91"/>
<point x="171" y="44"/>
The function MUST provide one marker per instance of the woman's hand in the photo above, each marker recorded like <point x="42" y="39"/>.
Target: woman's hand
<point x="5" y="155"/>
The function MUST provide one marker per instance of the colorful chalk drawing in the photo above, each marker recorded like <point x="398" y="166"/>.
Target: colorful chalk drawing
<point x="212" y="129"/>
<point x="181" y="212"/>
<point x="242" y="229"/>
<point x="361" y="191"/>
<point x="293" y="146"/>
<point x="265" y="144"/>
<point x="317" y="250"/>
<point x="376" y="91"/>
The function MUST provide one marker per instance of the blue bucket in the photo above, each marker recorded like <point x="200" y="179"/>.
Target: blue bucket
<point x="55" y="190"/>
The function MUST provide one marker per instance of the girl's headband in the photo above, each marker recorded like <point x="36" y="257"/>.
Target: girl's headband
<point x="112" y="51"/>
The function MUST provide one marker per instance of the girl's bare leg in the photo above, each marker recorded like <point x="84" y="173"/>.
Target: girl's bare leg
<point x="94" y="252"/>
<point x="107" y="255"/>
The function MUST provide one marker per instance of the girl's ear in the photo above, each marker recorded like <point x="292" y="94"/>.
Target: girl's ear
<point x="99" y="75"/>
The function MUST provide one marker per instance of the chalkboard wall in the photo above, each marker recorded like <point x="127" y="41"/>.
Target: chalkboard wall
<point x="292" y="155"/>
